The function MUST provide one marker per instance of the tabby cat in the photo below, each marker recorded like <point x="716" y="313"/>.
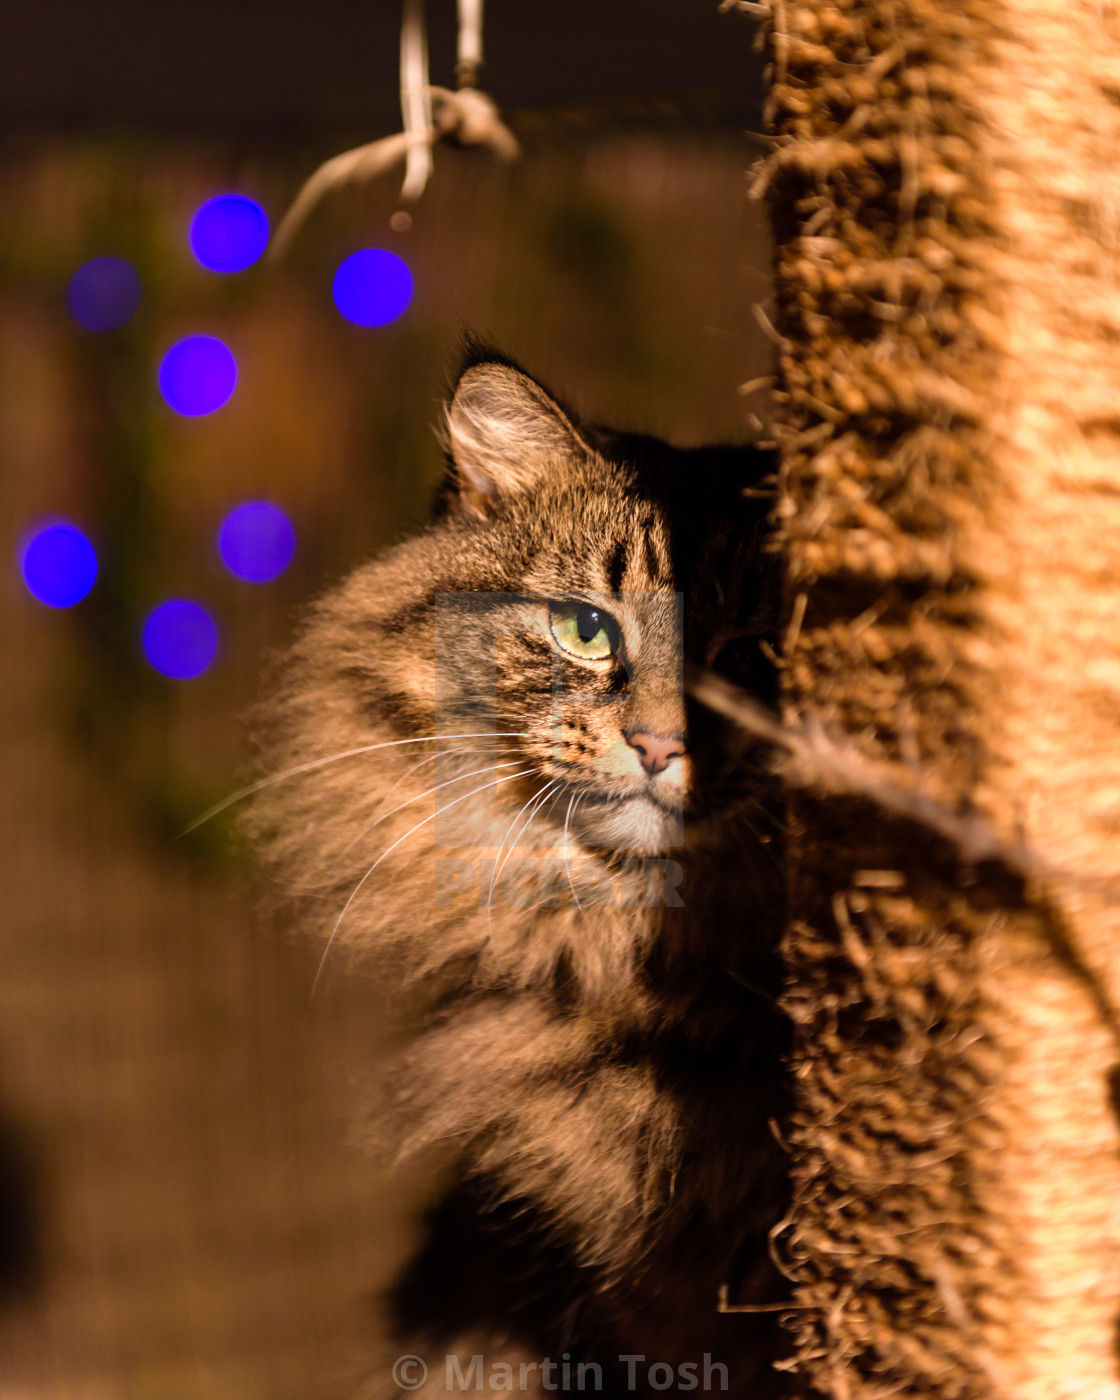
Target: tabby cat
<point x="502" y="798"/>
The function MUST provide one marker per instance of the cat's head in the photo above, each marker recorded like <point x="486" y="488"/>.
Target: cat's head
<point x="579" y="571"/>
<point x="512" y="677"/>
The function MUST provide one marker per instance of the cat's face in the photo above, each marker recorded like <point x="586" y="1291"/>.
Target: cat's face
<point x="586" y="570"/>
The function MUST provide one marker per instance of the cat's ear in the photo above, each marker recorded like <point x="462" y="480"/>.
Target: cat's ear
<point x="502" y="429"/>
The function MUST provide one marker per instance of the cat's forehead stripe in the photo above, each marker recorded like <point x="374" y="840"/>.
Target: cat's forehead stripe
<point x="616" y="567"/>
<point x="645" y="560"/>
<point x="632" y="561"/>
<point x="651" y="559"/>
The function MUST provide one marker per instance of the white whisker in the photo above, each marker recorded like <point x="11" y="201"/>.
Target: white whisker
<point x="494" y="872"/>
<point x="380" y="815"/>
<point x="502" y="844"/>
<point x="244" y="792"/>
<point x="573" y="803"/>
<point x="474" y="773"/>
<point x="508" y="777"/>
<point x="539" y="801"/>
<point x="432" y="758"/>
<point x="497" y="871"/>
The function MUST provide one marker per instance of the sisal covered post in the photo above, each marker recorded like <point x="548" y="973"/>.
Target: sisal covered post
<point x="945" y="189"/>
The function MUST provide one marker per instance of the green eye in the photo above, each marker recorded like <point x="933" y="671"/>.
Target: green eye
<point x="584" y="631"/>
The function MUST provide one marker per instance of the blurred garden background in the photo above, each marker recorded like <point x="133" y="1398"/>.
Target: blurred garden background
<point x="185" y="1209"/>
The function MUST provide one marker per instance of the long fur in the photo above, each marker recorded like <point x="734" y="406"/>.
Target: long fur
<point x="592" y="969"/>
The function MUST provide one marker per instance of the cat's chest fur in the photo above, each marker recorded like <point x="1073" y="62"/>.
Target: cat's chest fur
<point x="500" y="795"/>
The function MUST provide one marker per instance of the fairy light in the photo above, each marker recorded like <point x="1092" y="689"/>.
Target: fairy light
<point x="103" y="294"/>
<point x="180" y="639"/>
<point x="372" y="287"/>
<point x="197" y="375"/>
<point x="229" y="233"/>
<point x="58" y="564"/>
<point x="256" y="541"/>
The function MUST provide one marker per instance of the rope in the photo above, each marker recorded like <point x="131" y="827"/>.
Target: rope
<point x="470" y="44"/>
<point x="429" y="114"/>
<point x="416" y="101"/>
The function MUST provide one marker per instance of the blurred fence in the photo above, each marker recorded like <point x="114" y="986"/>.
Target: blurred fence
<point x="183" y="1214"/>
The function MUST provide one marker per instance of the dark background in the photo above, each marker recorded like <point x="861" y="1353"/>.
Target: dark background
<point x="281" y="69"/>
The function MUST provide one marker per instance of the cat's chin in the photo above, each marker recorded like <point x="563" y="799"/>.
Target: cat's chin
<point x="633" y="826"/>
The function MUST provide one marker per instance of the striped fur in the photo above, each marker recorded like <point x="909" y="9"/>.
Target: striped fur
<point x="597" y="1050"/>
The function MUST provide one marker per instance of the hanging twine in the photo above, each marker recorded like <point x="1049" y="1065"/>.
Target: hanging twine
<point x="416" y="101"/>
<point x="469" y="57"/>
<point x="429" y="114"/>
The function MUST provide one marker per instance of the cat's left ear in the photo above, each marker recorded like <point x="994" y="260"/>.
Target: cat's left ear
<point x="503" y="429"/>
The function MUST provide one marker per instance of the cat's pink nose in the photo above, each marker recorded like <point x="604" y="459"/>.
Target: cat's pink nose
<point x="655" y="751"/>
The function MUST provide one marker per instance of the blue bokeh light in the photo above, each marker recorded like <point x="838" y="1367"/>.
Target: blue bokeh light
<point x="103" y="294"/>
<point x="256" y="541"/>
<point x="180" y="639"/>
<point x="58" y="563"/>
<point x="229" y="233"/>
<point x="372" y="287"/>
<point x="197" y="375"/>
